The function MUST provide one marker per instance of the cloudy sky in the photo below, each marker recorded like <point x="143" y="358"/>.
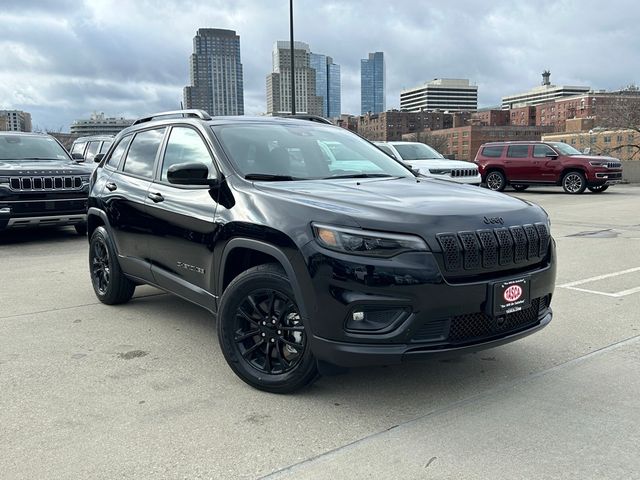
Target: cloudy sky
<point x="63" y="59"/>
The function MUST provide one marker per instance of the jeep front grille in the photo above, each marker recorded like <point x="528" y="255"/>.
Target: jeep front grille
<point x="614" y="165"/>
<point x="485" y="249"/>
<point x="47" y="183"/>
<point x="464" y="172"/>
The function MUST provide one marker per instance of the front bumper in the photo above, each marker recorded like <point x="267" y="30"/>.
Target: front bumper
<point x="442" y="316"/>
<point x="468" y="180"/>
<point x="10" y="218"/>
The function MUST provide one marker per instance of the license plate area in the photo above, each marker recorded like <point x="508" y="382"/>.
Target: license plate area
<point x="510" y="296"/>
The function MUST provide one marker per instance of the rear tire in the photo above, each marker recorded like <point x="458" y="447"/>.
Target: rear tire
<point x="520" y="188"/>
<point x="110" y="285"/>
<point x="574" y="182"/>
<point x="496" y="181"/>
<point x="598" y="188"/>
<point x="262" y="333"/>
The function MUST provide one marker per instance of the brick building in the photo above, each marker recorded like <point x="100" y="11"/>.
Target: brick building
<point x="490" y="117"/>
<point x="464" y="142"/>
<point x="391" y="125"/>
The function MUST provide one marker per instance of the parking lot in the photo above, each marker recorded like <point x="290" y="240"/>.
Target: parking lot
<point x="142" y="390"/>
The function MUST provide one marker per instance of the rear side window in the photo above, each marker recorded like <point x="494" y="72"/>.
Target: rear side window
<point x="91" y="151"/>
<point x="184" y="146"/>
<point x="105" y="146"/>
<point x="518" y="151"/>
<point x="117" y="154"/>
<point x="542" y="151"/>
<point x="142" y="153"/>
<point x="78" y="147"/>
<point x="494" y="152"/>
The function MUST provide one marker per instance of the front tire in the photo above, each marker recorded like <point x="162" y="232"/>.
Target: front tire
<point x="262" y="334"/>
<point x="574" y="182"/>
<point x="110" y="285"/>
<point x="496" y="181"/>
<point x="598" y="188"/>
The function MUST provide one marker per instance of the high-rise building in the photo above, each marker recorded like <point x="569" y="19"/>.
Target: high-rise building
<point x="279" y="81"/>
<point x="450" y="94"/>
<point x="372" y="84"/>
<point x="327" y="83"/>
<point x="215" y="73"/>
<point x="98" y="124"/>
<point x="15" y="121"/>
<point x="544" y="93"/>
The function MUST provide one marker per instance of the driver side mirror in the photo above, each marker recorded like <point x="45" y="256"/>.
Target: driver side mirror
<point x="98" y="158"/>
<point x="77" y="157"/>
<point x="192" y="173"/>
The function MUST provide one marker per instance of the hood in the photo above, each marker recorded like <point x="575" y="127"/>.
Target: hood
<point x="586" y="158"/>
<point x="423" y="207"/>
<point x="43" y="167"/>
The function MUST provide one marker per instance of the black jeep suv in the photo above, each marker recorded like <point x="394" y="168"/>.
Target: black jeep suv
<point x="310" y="262"/>
<point x="40" y="184"/>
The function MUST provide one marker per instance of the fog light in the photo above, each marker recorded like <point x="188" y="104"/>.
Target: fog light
<point x="375" y="318"/>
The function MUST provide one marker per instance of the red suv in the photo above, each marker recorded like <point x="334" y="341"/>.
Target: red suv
<point x="522" y="164"/>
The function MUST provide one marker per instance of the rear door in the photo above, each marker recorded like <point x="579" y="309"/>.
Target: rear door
<point x="518" y="164"/>
<point x="182" y="220"/>
<point x="125" y="195"/>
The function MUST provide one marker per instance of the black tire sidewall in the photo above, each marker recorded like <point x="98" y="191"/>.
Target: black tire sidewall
<point x="119" y="286"/>
<point x="598" y="189"/>
<point x="255" y="279"/>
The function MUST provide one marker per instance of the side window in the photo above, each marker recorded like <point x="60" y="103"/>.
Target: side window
<point x="542" y="151"/>
<point x="78" y="147"/>
<point x="518" y="151"/>
<point x="493" y="152"/>
<point x="184" y="145"/>
<point x="91" y="151"/>
<point x="117" y="154"/>
<point x="142" y="153"/>
<point x="105" y="146"/>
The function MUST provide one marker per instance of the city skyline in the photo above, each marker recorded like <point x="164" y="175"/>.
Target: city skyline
<point x="65" y="62"/>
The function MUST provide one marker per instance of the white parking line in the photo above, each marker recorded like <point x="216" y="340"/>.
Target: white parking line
<point x="622" y="293"/>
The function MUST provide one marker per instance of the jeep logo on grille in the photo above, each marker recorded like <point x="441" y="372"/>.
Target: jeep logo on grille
<point x="513" y="293"/>
<point x="493" y="220"/>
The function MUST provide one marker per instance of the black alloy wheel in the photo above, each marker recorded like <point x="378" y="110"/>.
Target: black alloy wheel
<point x="496" y="181"/>
<point x="100" y="266"/>
<point x="598" y="188"/>
<point x="574" y="182"/>
<point x="262" y="333"/>
<point x="110" y="284"/>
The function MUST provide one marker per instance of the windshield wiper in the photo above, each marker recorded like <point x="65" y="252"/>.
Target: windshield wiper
<point x="268" y="177"/>
<point x="361" y="175"/>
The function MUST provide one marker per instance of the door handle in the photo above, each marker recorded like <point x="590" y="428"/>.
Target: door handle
<point x="111" y="186"/>
<point x="156" y="197"/>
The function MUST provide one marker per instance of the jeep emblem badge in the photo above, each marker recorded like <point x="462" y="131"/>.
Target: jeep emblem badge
<point x="493" y="220"/>
<point x="513" y="293"/>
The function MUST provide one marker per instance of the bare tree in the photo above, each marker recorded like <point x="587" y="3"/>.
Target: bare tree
<point x="621" y="112"/>
<point x="435" y="141"/>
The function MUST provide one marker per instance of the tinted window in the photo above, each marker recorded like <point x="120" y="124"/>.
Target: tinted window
<point x="31" y="147"/>
<point x="184" y="145"/>
<point x="493" y="152"/>
<point x="142" y="153"/>
<point x="416" y="151"/>
<point x="542" y="151"/>
<point x="105" y="146"/>
<point x="91" y="151"/>
<point x="78" y="147"/>
<point x="116" y="156"/>
<point x="518" y="151"/>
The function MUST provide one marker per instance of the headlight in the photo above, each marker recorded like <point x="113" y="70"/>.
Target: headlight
<point x="597" y="163"/>
<point x="4" y="180"/>
<point x="363" y="242"/>
<point x="440" y="171"/>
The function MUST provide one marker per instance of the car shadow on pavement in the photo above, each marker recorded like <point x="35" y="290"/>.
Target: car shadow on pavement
<point x="38" y="235"/>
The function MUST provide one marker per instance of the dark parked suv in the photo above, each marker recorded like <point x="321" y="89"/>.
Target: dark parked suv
<point x="40" y="184"/>
<point x="309" y="262"/>
<point x="524" y="164"/>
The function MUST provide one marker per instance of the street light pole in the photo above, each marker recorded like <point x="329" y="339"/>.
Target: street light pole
<point x="293" y="76"/>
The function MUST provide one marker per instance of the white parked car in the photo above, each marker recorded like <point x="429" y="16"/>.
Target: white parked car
<point x="430" y="163"/>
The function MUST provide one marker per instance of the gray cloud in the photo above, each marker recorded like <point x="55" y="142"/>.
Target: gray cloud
<point x="62" y="60"/>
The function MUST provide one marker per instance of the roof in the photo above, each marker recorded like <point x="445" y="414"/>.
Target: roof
<point x="94" y="137"/>
<point x="27" y="134"/>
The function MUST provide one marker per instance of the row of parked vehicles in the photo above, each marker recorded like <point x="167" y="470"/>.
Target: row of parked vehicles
<point x="313" y="248"/>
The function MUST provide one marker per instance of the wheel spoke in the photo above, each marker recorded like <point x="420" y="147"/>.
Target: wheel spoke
<point x="285" y="363"/>
<point x="267" y="359"/>
<point x="255" y="306"/>
<point x="296" y="328"/>
<point x="272" y="301"/>
<point x="253" y="348"/>
<point x="299" y="346"/>
<point x="243" y="336"/>
<point x="246" y="316"/>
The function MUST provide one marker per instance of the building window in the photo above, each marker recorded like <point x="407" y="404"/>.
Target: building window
<point x="607" y="139"/>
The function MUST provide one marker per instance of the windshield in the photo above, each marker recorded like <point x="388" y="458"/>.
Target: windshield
<point x="303" y="152"/>
<point x="416" y="151"/>
<point x="27" y="147"/>
<point x="565" y="149"/>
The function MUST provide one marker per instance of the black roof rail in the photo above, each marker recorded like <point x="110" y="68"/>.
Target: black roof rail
<point x="192" y="112"/>
<point x="311" y="118"/>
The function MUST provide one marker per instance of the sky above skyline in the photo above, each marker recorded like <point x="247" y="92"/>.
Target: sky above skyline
<point x="62" y="60"/>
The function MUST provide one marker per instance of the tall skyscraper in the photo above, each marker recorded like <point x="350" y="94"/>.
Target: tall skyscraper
<point x="327" y="84"/>
<point x="279" y="81"/>
<point x="216" y="73"/>
<point x="372" y="84"/>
